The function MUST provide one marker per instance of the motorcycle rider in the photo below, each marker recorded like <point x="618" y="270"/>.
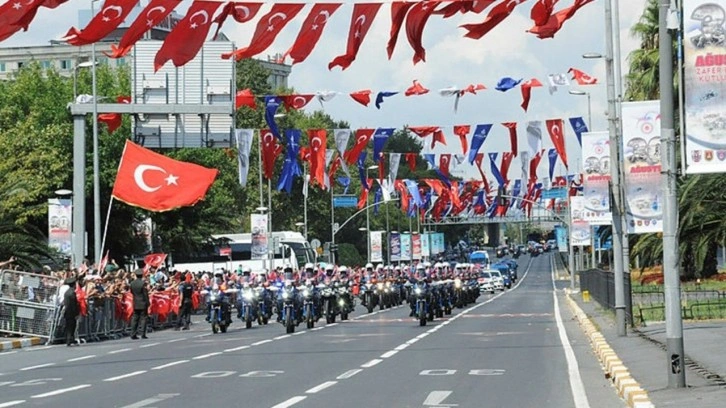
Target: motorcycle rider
<point x="219" y="283"/>
<point x="288" y="276"/>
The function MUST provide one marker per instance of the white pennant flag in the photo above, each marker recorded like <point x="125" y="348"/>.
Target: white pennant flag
<point x="458" y="160"/>
<point x="341" y="140"/>
<point x="394" y="160"/>
<point x="385" y="189"/>
<point x="244" y="144"/>
<point x="328" y="158"/>
<point x="306" y="183"/>
<point x="524" y="157"/>
<point x="534" y="136"/>
<point x="557" y="80"/>
<point x="325" y="96"/>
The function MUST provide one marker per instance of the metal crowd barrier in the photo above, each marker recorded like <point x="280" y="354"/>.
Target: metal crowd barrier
<point x="28" y="303"/>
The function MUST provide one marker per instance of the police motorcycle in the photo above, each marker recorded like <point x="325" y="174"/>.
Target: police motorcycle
<point x="420" y="301"/>
<point x="288" y="305"/>
<point x="346" y="301"/>
<point x="264" y="300"/>
<point x="247" y="300"/>
<point x="368" y="289"/>
<point x="310" y="297"/>
<point x="328" y="296"/>
<point x="218" y="304"/>
<point x="438" y="296"/>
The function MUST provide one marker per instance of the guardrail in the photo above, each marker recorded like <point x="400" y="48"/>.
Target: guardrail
<point x="695" y="304"/>
<point x="601" y="286"/>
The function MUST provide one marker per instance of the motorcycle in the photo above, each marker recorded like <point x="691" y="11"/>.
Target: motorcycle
<point x="380" y="292"/>
<point x="328" y="297"/>
<point x="345" y="300"/>
<point x="264" y="305"/>
<point x="218" y="311"/>
<point x="309" y="311"/>
<point x="369" y="297"/>
<point x="249" y="310"/>
<point x="422" y="304"/>
<point x="289" y="314"/>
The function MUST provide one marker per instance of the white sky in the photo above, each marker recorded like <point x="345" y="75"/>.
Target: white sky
<point x="452" y="60"/>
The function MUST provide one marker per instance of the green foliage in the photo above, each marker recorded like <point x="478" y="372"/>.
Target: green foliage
<point x="348" y="255"/>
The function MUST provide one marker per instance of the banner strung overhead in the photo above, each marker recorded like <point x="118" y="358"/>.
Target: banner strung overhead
<point x="642" y="166"/>
<point x="596" y="177"/>
<point x="705" y="85"/>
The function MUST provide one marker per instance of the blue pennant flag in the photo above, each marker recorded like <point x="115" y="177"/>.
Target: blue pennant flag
<point x="495" y="170"/>
<point x="415" y="194"/>
<point x="380" y="137"/>
<point x="552" y="155"/>
<point x="430" y="157"/>
<point x="427" y="199"/>
<point x="291" y="167"/>
<point x="381" y="95"/>
<point x="362" y="170"/>
<point x="579" y="126"/>
<point x="480" y="199"/>
<point x="377" y="200"/>
<point x="477" y="140"/>
<point x="516" y="190"/>
<point x="345" y="182"/>
<point x="507" y="83"/>
<point x="272" y="102"/>
<point x="492" y="210"/>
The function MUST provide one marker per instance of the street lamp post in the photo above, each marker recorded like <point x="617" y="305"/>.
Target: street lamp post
<point x="96" y="174"/>
<point x="85" y="64"/>
<point x="368" y="217"/>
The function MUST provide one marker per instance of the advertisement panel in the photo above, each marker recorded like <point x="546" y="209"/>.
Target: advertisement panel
<point x="596" y="177"/>
<point x="425" y="245"/>
<point x="416" y="246"/>
<point x="376" y="246"/>
<point x="440" y="242"/>
<point x="395" y="243"/>
<point x="579" y="228"/>
<point x="60" y="214"/>
<point x="561" y="238"/>
<point x="704" y="62"/>
<point x="642" y="166"/>
<point x="405" y="247"/>
<point x="259" y="236"/>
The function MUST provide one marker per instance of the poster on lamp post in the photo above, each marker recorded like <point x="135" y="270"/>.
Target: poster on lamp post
<point x="642" y="167"/>
<point x="405" y="247"/>
<point x="704" y="62"/>
<point x="416" y="247"/>
<point x="579" y="228"/>
<point x="258" y="224"/>
<point x="60" y="214"/>
<point x="376" y="246"/>
<point x="425" y="245"/>
<point x="596" y="177"/>
<point x="395" y="245"/>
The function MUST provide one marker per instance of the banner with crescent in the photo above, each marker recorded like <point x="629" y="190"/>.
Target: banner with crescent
<point x="555" y="127"/>
<point x="111" y="15"/>
<point x="154" y="13"/>
<point x="311" y="30"/>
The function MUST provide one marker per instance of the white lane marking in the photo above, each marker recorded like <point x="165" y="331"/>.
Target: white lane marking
<point x="284" y="336"/>
<point x="5" y="353"/>
<point x="389" y="354"/>
<point x="401" y="347"/>
<point x="173" y="363"/>
<point x="175" y="340"/>
<point x="70" y="360"/>
<point x="38" y="348"/>
<point x="573" y="370"/>
<point x="299" y="333"/>
<point x="332" y="325"/>
<point x="261" y="342"/>
<point x="348" y="374"/>
<point x="236" y="349"/>
<point x="149" y="345"/>
<point x="202" y="335"/>
<point x="321" y="387"/>
<point x="152" y="400"/>
<point x="119" y="351"/>
<point x="317" y="328"/>
<point x="37" y="366"/>
<point x="371" y="363"/>
<point x="292" y="401"/>
<point x="121" y="377"/>
<point x="216" y="353"/>
<point x="11" y="403"/>
<point x="436" y="399"/>
<point x="61" y="391"/>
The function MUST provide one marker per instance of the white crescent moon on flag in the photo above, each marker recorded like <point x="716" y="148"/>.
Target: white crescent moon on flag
<point x="360" y="20"/>
<point x="361" y="139"/>
<point x="268" y="137"/>
<point x="118" y="9"/>
<point x="282" y="16"/>
<point x="161" y="9"/>
<point x="556" y="129"/>
<point x="326" y="16"/>
<point x="202" y="13"/>
<point x="245" y="10"/>
<point x="298" y="105"/>
<point x="139" y="177"/>
<point x="313" y="143"/>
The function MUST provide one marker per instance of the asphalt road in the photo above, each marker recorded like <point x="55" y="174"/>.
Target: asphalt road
<point x="519" y="348"/>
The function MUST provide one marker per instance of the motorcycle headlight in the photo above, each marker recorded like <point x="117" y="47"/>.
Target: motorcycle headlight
<point x="306" y="293"/>
<point x="213" y="298"/>
<point x="285" y="295"/>
<point x="380" y="286"/>
<point x="418" y="291"/>
<point x="248" y="295"/>
<point x="341" y="302"/>
<point x="457" y="283"/>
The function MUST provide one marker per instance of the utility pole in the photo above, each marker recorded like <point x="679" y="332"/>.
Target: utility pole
<point x="672" y="289"/>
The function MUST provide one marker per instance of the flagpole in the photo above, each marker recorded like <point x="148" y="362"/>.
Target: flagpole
<point x="105" y="228"/>
<point x="332" y="220"/>
<point x="262" y="203"/>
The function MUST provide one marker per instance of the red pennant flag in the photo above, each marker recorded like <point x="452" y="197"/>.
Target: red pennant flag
<point x="533" y="164"/>
<point x="478" y="160"/>
<point x="318" y="142"/>
<point x="424" y="131"/>
<point x="541" y="11"/>
<point x="186" y="39"/>
<point x="411" y="161"/>
<point x="582" y="78"/>
<point x="381" y="167"/>
<point x="360" y="23"/>
<point x="496" y="15"/>
<point x="398" y="13"/>
<point x="154" y="13"/>
<point x="295" y="102"/>
<point x="472" y="89"/>
<point x="245" y="98"/>
<point x="267" y="30"/>
<point x="12" y="12"/>
<point x="463" y="131"/>
<point x="555" y="127"/>
<point x="416" y="89"/>
<point x="157" y="183"/>
<point x="555" y="22"/>
<point x="512" y="126"/>
<point x="362" y="137"/>
<point x="362" y="97"/>
<point x="311" y="30"/>
<point x="113" y="120"/>
<point x="304" y="154"/>
<point x="506" y="162"/>
<point x="526" y="88"/>
<point x="415" y="22"/>
<point x="464" y="6"/>
<point x="241" y="12"/>
<point x="271" y="149"/>
<point x="112" y="14"/>
<point x="363" y="199"/>
<point x="444" y="162"/>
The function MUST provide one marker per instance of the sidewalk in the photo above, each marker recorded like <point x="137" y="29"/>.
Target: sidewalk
<point x="643" y="353"/>
<point x="10" y="343"/>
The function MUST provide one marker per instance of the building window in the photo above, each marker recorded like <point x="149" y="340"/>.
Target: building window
<point x="20" y="65"/>
<point x="2" y="67"/>
<point x="65" y="65"/>
<point x="45" y="64"/>
<point x="121" y="62"/>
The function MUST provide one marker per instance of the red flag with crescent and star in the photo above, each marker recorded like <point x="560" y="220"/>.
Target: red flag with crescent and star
<point x="555" y="127"/>
<point x="541" y="11"/>
<point x="158" y="183"/>
<point x="112" y="14"/>
<point x="186" y="39"/>
<point x="153" y="14"/>
<point x="241" y="12"/>
<point x="463" y="7"/>
<point x="496" y="15"/>
<point x="399" y="9"/>
<point x="415" y="21"/>
<point x="555" y="21"/>
<point x="154" y="260"/>
<point x="297" y="101"/>
<point x="267" y="30"/>
<point x="271" y="149"/>
<point x="444" y="162"/>
<point x="526" y="88"/>
<point x="360" y="23"/>
<point x="363" y="97"/>
<point x="512" y="126"/>
<point x="246" y="98"/>
<point x="582" y="78"/>
<point x="362" y="137"/>
<point x="311" y="30"/>
<point x="318" y="141"/>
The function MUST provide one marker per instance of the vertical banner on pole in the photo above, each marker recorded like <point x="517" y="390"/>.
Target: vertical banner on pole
<point x="642" y="166"/>
<point x="440" y="242"/>
<point x="425" y="245"/>
<point x="258" y="224"/>
<point x="60" y="214"/>
<point x="416" y="247"/>
<point x="405" y="247"/>
<point x="395" y="243"/>
<point x="704" y="85"/>
<point x="376" y="246"/>
<point x="579" y="228"/>
<point x="561" y="238"/>
<point x="596" y="180"/>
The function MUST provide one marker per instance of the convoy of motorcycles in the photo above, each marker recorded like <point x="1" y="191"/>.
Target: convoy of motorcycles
<point x="329" y="293"/>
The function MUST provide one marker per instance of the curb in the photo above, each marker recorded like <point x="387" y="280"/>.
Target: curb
<point x="20" y="343"/>
<point x="615" y="370"/>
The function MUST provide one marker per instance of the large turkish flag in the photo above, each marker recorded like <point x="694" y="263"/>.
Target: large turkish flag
<point x="157" y="183"/>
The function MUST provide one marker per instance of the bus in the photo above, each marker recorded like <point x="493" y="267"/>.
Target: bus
<point x="230" y="251"/>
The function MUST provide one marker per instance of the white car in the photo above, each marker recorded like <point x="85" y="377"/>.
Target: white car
<point x="497" y="279"/>
<point x="485" y="282"/>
